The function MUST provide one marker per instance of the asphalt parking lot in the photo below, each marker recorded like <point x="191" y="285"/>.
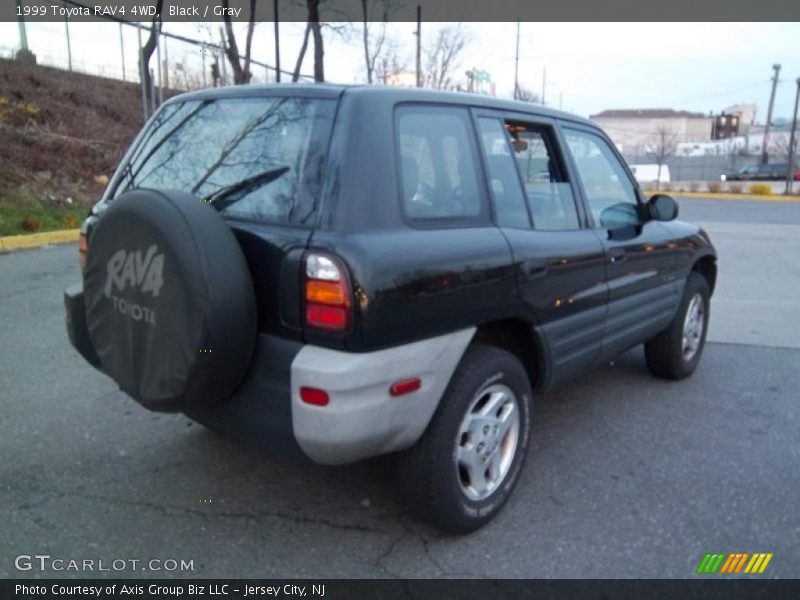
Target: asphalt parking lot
<point x="628" y="476"/>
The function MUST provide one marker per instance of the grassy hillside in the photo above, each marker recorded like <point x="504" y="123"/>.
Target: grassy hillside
<point x="62" y="135"/>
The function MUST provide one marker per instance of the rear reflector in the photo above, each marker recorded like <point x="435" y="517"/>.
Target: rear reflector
<point x="314" y="396"/>
<point x="405" y="386"/>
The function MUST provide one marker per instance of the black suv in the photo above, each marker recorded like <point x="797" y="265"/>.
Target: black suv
<point x="356" y="271"/>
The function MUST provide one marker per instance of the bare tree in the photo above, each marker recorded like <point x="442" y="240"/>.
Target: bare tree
<point x="374" y="33"/>
<point x="302" y="54"/>
<point x="527" y="95"/>
<point x="442" y="57"/>
<point x="147" y="53"/>
<point x="241" y="71"/>
<point x="183" y="77"/>
<point x="663" y="146"/>
<point x="389" y="64"/>
<point x="316" y="32"/>
<point x="779" y="145"/>
<point x="313" y="28"/>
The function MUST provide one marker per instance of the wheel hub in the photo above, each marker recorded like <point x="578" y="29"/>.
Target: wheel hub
<point x="693" y="325"/>
<point x="487" y="441"/>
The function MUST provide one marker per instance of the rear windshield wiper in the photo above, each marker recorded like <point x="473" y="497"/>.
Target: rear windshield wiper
<point x="227" y="195"/>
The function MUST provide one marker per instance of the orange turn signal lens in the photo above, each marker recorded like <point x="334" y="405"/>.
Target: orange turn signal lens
<point x="326" y="292"/>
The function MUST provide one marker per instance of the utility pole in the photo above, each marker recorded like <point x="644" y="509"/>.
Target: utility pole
<point x="516" y="68"/>
<point x="277" y="43"/>
<point x="544" y="83"/>
<point x="69" y="45"/>
<point x="23" y="35"/>
<point x="122" y="51"/>
<point x="792" y="144"/>
<point x="764" y="154"/>
<point x="418" y="33"/>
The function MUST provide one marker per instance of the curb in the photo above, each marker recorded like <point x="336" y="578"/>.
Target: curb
<point x="718" y="196"/>
<point x="34" y="240"/>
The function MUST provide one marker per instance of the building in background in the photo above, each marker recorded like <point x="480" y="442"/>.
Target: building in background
<point x="636" y="131"/>
<point x="745" y="112"/>
<point x="725" y="126"/>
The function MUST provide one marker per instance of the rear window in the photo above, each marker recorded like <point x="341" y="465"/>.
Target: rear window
<point x="206" y="147"/>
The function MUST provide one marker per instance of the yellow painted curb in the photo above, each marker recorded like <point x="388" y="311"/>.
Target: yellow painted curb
<point x="721" y="196"/>
<point x="34" y="240"/>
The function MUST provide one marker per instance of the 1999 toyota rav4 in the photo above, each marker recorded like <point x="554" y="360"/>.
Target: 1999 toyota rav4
<point x="355" y="271"/>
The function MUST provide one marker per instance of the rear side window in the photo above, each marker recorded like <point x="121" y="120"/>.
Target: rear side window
<point x="438" y="174"/>
<point x="206" y="147"/>
<point x="509" y="199"/>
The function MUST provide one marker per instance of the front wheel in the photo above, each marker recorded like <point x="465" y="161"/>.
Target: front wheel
<point x="465" y="466"/>
<point x="675" y="352"/>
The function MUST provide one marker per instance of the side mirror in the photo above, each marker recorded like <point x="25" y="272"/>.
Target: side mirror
<point x="662" y="207"/>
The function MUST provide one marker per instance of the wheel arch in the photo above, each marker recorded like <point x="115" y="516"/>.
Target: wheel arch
<point x="707" y="267"/>
<point x="517" y="336"/>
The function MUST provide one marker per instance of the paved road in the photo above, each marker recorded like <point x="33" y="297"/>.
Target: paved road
<point x="628" y="476"/>
<point x="758" y="296"/>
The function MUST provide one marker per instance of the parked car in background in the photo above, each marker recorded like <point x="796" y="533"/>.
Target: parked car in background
<point x="768" y="172"/>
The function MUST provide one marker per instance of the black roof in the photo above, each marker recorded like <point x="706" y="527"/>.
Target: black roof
<point x="409" y="94"/>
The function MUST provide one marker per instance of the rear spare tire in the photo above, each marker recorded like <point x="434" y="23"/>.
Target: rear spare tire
<point x="170" y="305"/>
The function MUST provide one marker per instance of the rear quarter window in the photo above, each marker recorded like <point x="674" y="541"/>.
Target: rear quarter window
<point x="439" y="180"/>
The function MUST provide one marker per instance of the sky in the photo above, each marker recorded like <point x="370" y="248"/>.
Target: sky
<point x="589" y="67"/>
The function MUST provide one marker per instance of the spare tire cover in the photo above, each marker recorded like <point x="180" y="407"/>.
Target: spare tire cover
<point x="170" y="305"/>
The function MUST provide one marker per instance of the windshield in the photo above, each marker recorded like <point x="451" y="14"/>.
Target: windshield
<point x="207" y="147"/>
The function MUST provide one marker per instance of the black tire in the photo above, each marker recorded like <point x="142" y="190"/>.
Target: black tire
<point x="429" y="477"/>
<point x="664" y="353"/>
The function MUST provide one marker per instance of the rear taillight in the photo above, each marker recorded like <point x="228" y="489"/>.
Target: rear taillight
<point x="327" y="293"/>
<point x="83" y="247"/>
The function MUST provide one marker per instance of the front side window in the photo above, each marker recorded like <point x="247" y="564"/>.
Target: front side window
<point x="609" y="191"/>
<point x="549" y="193"/>
<point x="275" y="145"/>
<point x="438" y="175"/>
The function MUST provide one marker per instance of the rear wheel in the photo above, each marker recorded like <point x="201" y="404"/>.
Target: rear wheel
<point x="464" y="468"/>
<point x="675" y="352"/>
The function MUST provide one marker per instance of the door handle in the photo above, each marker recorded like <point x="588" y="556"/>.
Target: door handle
<point x="618" y="258"/>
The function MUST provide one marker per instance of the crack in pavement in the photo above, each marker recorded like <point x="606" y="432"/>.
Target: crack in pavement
<point x="167" y="510"/>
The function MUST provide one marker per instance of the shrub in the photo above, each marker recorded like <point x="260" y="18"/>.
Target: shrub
<point x="694" y="186"/>
<point x="736" y="188"/>
<point x="30" y="224"/>
<point x="714" y="187"/>
<point x="760" y="189"/>
<point x="71" y="222"/>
